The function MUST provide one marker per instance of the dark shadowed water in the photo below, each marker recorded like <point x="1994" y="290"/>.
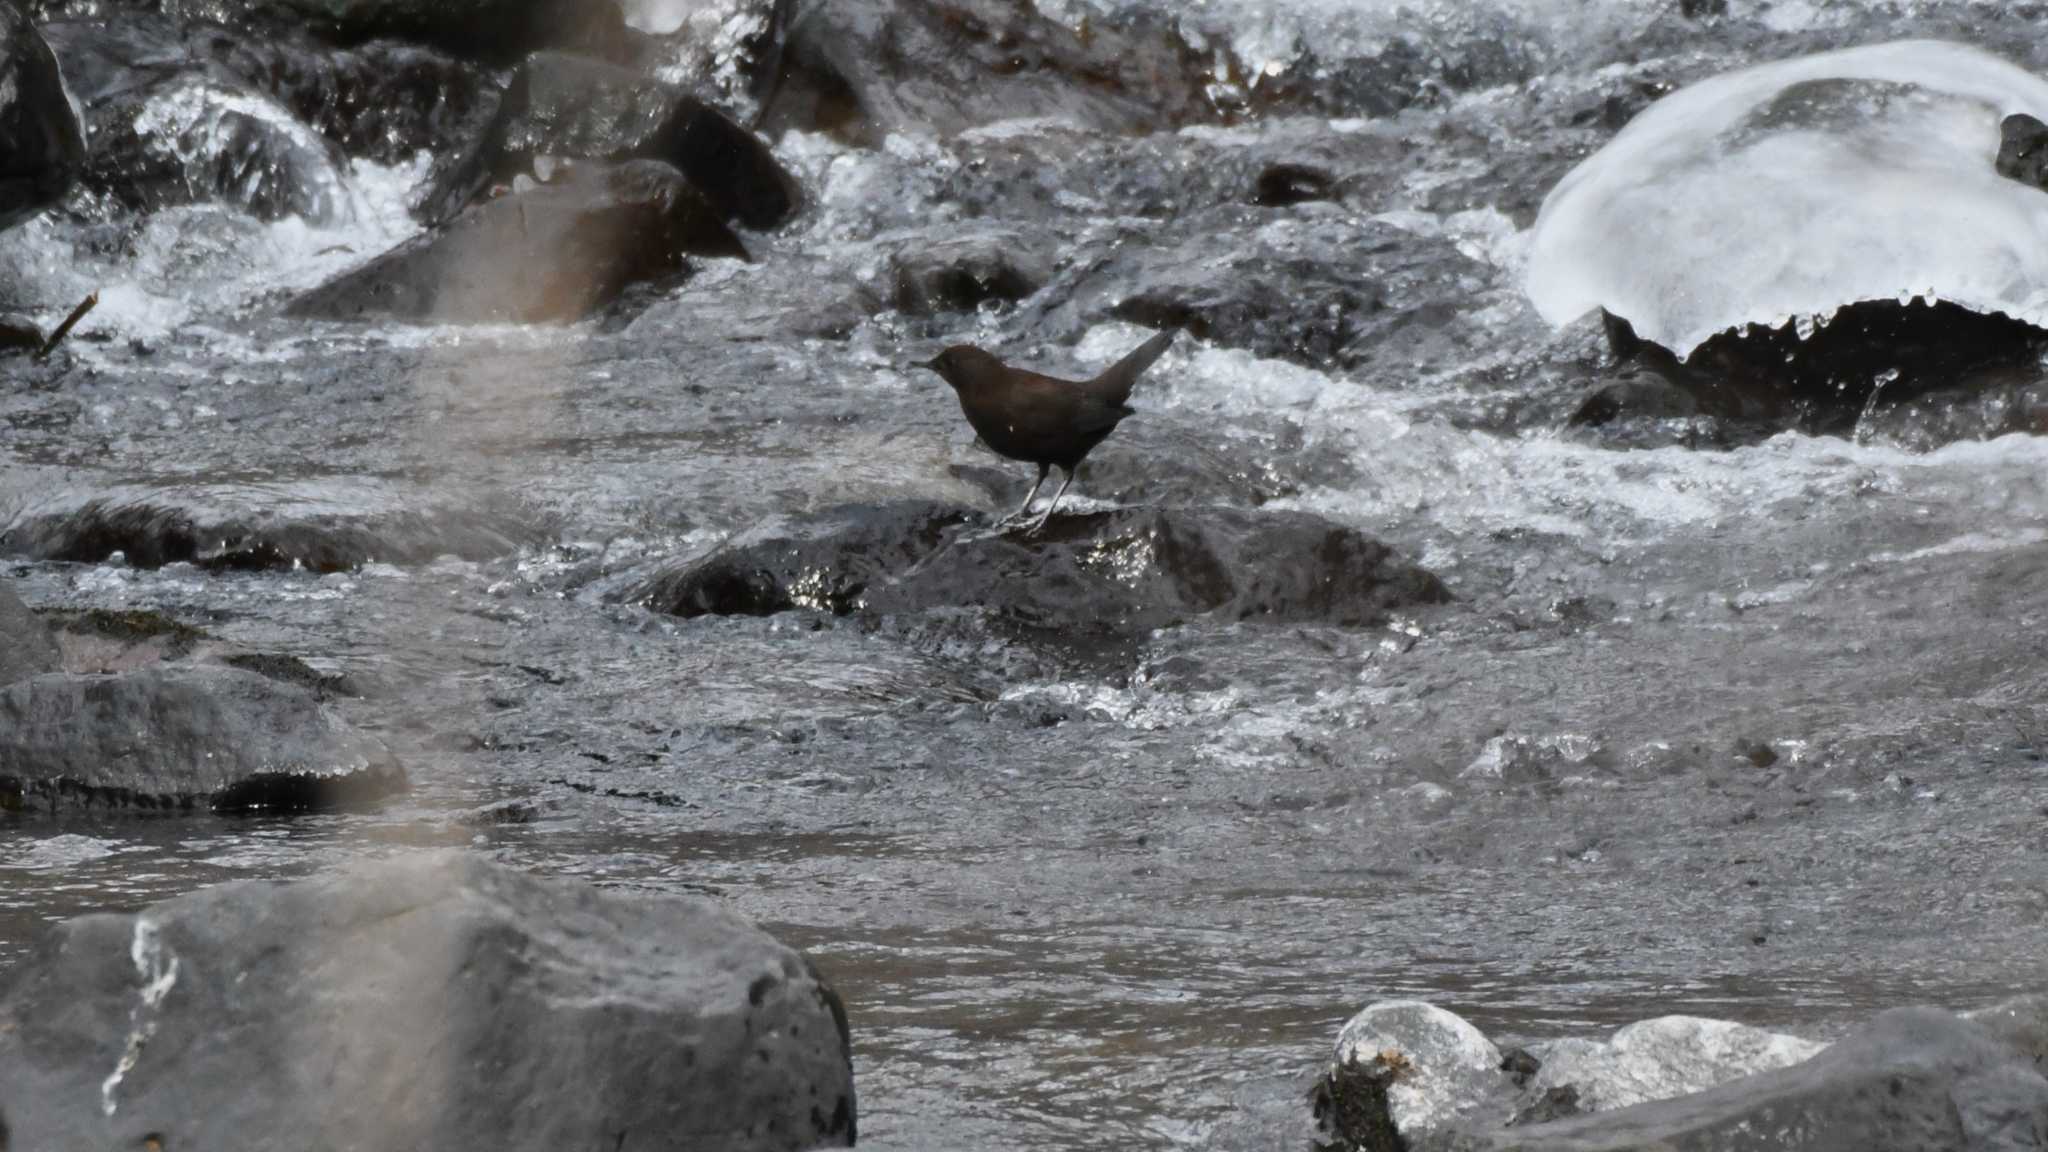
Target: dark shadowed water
<point x="1122" y="900"/>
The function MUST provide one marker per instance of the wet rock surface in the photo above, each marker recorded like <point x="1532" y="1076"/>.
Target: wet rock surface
<point x="177" y="737"/>
<point x="865" y="68"/>
<point x="556" y="252"/>
<point x="41" y="143"/>
<point x="564" y="107"/>
<point x="211" y="532"/>
<point x="1107" y="573"/>
<point x="539" y="1012"/>
<point x="1868" y="362"/>
<point x="26" y="647"/>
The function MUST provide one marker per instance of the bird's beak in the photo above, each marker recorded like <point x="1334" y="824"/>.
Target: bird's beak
<point x="932" y="364"/>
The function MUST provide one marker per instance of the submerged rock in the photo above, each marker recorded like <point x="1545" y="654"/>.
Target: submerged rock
<point x="863" y="69"/>
<point x="432" y="1000"/>
<point x="961" y="271"/>
<point x="1786" y="191"/>
<point x="560" y="106"/>
<point x="179" y="737"/>
<point x="1103" y="574"/>
<point x="157" y="529"/>
<point x="824" y="564"/>
<point x="555" y="253"/>
<point x="1318" y="290"/>
<point x="42" y="146"/>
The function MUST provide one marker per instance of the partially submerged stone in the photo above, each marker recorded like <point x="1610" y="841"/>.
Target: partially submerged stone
<point x="565" y="107"/>
<point x="553" y="253"/>
<point x="431" y="1000"/>
<point x="1101" y="574"/>
<point x="182" y="736"/>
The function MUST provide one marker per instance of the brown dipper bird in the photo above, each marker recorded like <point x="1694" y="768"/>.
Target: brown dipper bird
<point x="1040" y="419"/>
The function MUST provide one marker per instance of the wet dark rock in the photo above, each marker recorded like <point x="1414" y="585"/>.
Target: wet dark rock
<point x="1106" y="574"/>
<point x="554" y="253"/>
<point x="26" y="647"/>
<point x="862" y="69"/>
<point x="1351" y="1109"/>
<point x="2023" y="150"/>
<point x="42" y="146"/>
<point x="1131" y="571"/>
<point x="958" y="273"/>
<point x="19" y="335"/>
<point x="150" y="533"/>
<point x="492" y="31"/>
<point x="1520" y="1065"/>
<point x="179" y="737"/>
<point x="1281" y="185"/>
<point x="1555" y="1104"/>
<point x="560" y="106"/>
<point x="165" y="130"/>
<point x="1322" y="291"/>
<point x="1870" y="356"/>
<point x="824" y="564"/>
<point x="432" y="1000"/>
<point x="1912" y="1078"/>
<point x="383" y="100"/>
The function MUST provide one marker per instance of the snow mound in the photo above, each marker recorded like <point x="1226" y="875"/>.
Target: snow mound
<point x="1786" y="191"/>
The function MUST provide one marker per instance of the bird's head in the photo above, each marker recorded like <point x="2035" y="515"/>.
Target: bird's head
<point x="963" y="365"/>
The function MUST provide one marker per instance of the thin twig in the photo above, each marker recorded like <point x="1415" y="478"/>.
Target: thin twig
<point x="70" y="322"/>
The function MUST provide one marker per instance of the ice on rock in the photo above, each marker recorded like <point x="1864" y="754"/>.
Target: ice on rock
<point x="1663" y="1058"/>
<point x="1451" y="1071"/>
<point x="1795" y="188"/>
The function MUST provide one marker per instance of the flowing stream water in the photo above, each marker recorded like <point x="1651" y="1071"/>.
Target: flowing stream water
<point x="1754" y="733"/>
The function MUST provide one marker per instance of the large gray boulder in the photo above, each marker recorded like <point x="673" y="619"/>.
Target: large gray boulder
<point x="179" y="737"/>
<point x="26" y="646"/>
<point x="431" y="1001"/>
<point x="41" y="144"/>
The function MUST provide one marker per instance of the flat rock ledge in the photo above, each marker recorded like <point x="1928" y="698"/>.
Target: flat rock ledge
<point x="426" y="1001"/>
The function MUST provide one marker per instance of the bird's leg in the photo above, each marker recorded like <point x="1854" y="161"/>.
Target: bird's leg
<point x="1034" y="529"/>
<point x="1043" y="471"/>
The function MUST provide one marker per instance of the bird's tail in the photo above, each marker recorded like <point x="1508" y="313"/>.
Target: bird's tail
<point x="1114" y="385"/>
